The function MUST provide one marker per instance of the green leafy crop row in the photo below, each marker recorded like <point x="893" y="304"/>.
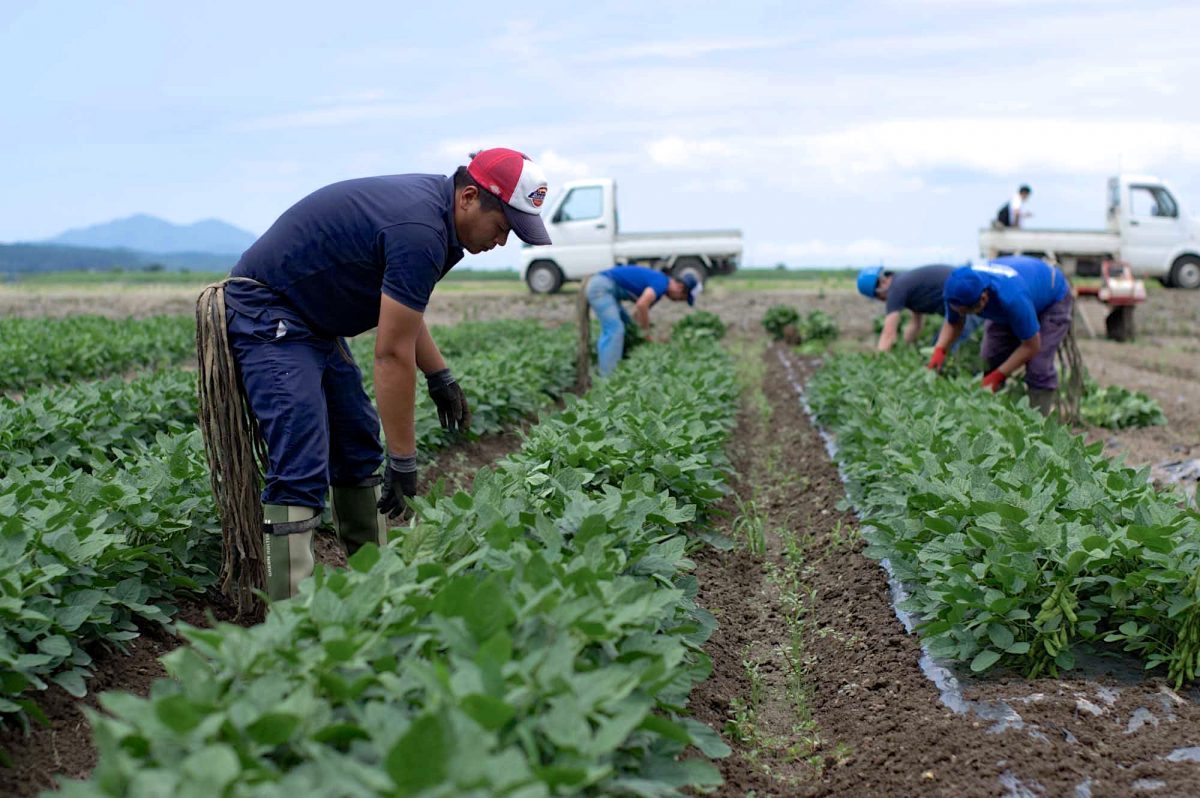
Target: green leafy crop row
<point x="1115" y="407"/>
<point x="105" y="510"/>
<point x="83" y="557"/>
<point x="814" y="332"/>
<point x="35" y="351"/>
<point x="509" y="370"/>
<point x="80" y="424"/>
<point x="515" y="369"/>
<point x="1020" y="543"/>
<point x="699" y="324"/>
<point x="535" y="637"/>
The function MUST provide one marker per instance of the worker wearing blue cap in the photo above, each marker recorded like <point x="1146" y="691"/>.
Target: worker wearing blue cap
<point x="917" y="290"/>
<point x="637" y="284"/>
<point x="1028" y="303"/>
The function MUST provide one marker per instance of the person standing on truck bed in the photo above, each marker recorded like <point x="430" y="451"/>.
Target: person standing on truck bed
<point x="640" y="285"/>
<point x="1013" y="211"/>
<point x="350" y="257"/>
<point x="917" y="290"/>
<point x="1028" y="305"/>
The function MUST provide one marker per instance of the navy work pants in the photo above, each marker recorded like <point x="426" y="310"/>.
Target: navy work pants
<point x="307" y="393"/>
<point x="1054" y="322"/>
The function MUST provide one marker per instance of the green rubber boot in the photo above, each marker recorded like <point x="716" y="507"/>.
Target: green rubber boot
<point x="288" y="547"/>
<point x="1042" y="400"/>
<point x="356" y="516"/>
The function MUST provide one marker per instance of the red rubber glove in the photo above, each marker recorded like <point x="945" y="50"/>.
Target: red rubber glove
<point x="994" y="380"/>
<point x="937" y="358"/>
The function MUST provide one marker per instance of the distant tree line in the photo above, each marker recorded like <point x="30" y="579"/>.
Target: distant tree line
<point x="25" y="258"/>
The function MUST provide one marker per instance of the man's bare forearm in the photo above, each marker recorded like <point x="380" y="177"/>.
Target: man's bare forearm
<point x="949" y="334"/>
<point x="887" y="336"/>
<point x="429" y="357"/>
<point x="395" y="393"/>
<point x="914" y="329"/>
<point x="1021" y="355"/>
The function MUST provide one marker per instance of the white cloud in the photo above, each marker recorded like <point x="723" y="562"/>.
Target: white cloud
<point x="900" y="150"/>
<point x="676" y="151"/>
<point x="688" y="48"/>
<point x="560" y="168"/>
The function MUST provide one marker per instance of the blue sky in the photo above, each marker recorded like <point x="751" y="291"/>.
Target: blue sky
<point x="830" y="133"/>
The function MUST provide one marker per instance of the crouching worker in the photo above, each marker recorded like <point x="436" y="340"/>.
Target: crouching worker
<point x="348" y="258"/>
<point x="640" y="285"/>
<point x="1028" y="303"/>
<point x="916" y="290"/>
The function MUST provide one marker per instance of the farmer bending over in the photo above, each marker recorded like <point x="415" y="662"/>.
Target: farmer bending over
<point x="637" y="284"/>
<point x="345" y="259"/>
<point x="1028" y="303"/>
<point x="919" y="290"/>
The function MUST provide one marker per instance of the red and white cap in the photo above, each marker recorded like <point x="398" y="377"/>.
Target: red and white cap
<point x="520" y="183"/>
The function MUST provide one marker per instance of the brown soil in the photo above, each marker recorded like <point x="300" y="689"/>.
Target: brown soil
<point x="869" y="722"/>
<point x="63" y="747"/>
<point x="1165" y="369"/>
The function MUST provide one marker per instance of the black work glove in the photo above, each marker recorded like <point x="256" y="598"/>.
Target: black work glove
<point x="453" y="412"/>
<point x="399" y="484"/>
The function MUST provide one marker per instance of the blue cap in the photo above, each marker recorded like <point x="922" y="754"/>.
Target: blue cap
<point x="964" y="286"/>
<point x="868" y="278"/>
<point x="693" y="287"/>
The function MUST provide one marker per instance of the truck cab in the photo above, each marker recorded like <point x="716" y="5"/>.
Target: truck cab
<point x="582" y="222"/>
<point x="1154" y="231"/>
<point x="1146" y="227"/>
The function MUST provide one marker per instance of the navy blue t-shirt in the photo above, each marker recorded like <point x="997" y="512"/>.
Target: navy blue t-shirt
<point x="634" y="280"/>
<point x="332" y="253"/>
<point x="919" y="290"/>
<point x="1021" y="287"/>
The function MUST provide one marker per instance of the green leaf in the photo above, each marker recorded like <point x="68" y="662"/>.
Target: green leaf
<point x="1001" y="636"/>
<point x="55" y="646"/>
<point x="274" y="728"/>
<point x="488" y="711"/>
<point x="365" y="558"/>
<point x="214" y="766"/>
<point x="71" y="681"/>
<point x="421" y="757"/>
<point x="984" y="660"/>
<point x="177" y="713"/>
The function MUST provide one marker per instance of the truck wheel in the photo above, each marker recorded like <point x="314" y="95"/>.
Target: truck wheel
<point x="544" y="277"/>
<point x="689" y="264"/>
<point x="1185" y="273"/>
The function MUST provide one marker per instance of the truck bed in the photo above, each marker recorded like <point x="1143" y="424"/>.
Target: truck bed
<point x="736" y="234"/>
<point x="1060" y="241"/>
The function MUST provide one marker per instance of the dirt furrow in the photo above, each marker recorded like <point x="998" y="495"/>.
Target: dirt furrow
<point x="865" y="719"/>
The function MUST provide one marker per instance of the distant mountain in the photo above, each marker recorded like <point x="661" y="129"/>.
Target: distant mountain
<point x="147" y="233"/>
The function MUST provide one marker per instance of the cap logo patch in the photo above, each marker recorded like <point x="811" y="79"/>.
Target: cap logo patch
<point x="538" y="196"/>
<point x="495" y="189"/>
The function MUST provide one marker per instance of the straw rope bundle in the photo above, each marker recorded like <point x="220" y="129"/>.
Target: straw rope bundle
<point x="235" y="451"/>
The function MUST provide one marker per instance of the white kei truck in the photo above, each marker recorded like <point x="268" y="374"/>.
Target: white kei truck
<point x="582" y="222"/>
<point x="1147" y="228"/>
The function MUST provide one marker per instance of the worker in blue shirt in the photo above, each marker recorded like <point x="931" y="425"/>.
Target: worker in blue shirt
<point x="1028" y="304"/>
<point x="917" y="290"/>
<point x="644" y="288"/>
<point x="348" y="258"/>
